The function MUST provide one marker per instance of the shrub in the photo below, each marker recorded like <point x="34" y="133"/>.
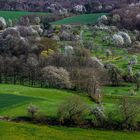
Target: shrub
<point x="32" y="110"/>
<point x="98" y="115"/>
<point x="72" y="110"/>
<point x="129" y="111"/>
<point x="126" y="37"/>
<point x="118" y="40"/>
<point x="68" y="50"/>
<point x="108" y="53"/>
<point x="114" y="73"/>
<point x="2" y="23"/>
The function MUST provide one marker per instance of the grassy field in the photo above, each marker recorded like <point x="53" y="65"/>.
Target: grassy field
<point x="15" y="131"/>
<point x="80" y="19"/>
<point x="14" y="99"/>
<point x="14" y="15"/>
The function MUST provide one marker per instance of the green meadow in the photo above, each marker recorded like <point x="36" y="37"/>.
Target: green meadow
<point x="80" y="19"/>
<point x="14" y="99"/>
<point x="15" y="15"/>
<point x="20" y="131"/>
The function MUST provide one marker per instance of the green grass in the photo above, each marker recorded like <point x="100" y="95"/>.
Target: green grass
<point x="80" y="19"/>
<point x="15" y="131"/>
<point x="14" y="99"/>
<point x="123" y="90"/>
<point x="9" y="100"/>
<point x="14" y="15"/>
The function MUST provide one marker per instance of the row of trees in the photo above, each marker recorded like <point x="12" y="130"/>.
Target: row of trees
<point x="74" y="111"/>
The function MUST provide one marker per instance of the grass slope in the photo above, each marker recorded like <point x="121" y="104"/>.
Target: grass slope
<point x="14" y="15"/>
<point x="14" y="99"/>
<point x="15" y="131"/>
<point x="80" y="19"/>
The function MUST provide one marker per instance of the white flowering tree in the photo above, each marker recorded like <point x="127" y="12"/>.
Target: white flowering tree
<point x="2" y="23"/>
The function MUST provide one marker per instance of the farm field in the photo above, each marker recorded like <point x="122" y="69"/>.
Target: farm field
<point x="15" y="15"/>
<point x="80" y="19"/>
<point x="16" y="131"/>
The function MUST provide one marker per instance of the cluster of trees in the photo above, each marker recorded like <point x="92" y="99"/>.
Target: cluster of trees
<point x="55" y="6"/>
<point x="74" y="111"/>
<point x="29" y="58"/>
<point x="32" y="67"/>
<point x="127" y="17"/>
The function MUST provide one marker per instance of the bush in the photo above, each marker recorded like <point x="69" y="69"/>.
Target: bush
<point x="129" y="111"/>
<point x="32" y="110"/>
<point x="98" y="115"/>
<point x="2" y="23"/>
<point x="72" y="110"/>
<point x="56" y="77"/>
<point x="137" y="81"/>
<point x="115" y="74"/>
